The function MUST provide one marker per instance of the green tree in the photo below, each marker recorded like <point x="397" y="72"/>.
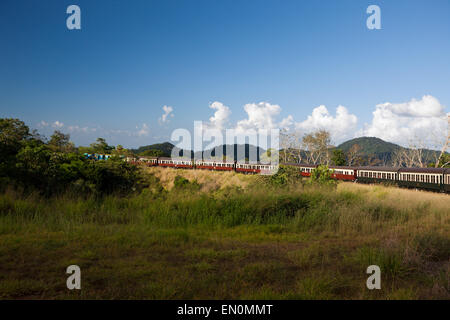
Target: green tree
<point x="338" y="157"/>
<point x="14" y="135"/>
<point x="322" y="176"/>
<point x="100" y="146"/>
<point x="60" y="142"/>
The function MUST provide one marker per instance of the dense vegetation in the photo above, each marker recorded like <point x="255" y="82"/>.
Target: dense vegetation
<point x="31" y="164"/>
<point x="304" y="241"/>
<point x="161" y="233"/>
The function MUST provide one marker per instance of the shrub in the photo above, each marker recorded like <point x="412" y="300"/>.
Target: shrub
<point x="322" y="176"/>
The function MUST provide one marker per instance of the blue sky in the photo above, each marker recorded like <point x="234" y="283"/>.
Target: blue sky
<point x="131" y="58"/>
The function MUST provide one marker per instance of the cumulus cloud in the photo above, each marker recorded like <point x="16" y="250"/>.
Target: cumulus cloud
<point x="168" y="111"/>
<point x="220" y="118"/>
<point x="262" y="115"/>
<point x="422" y="119"/>
<point x="342" y="126"/>
<point x="57" y="124"/>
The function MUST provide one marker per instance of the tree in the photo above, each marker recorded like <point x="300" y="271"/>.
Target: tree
<point x="354" y="155"/>
<point x="100" y="146"/>
<point x="60" y="142"/>
<point x="322" y="175"/>
<point x="445" y="146"/>
<point x="14" y="135"/>
<point x="291" y="146"/>
<point x="444" y="161"/>
<point x="13" y="132"/>
<point x="338" y="157"/>
<point x="317" y="144"/>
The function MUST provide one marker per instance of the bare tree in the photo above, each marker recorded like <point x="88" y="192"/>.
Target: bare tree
<point x="354" y="154"/>
<point x="317" y="146"/>
<point x="413" y="156"/>
<point x="446" y="144"/>
<point x="291" y="145"/>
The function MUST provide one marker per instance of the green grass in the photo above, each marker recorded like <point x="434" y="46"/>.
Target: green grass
<point x="294" y="242"/>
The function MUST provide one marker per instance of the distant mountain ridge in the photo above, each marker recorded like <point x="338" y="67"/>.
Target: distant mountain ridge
<point x="374" y="151"/>
<point x="370" y="145"/>
<point x="379" y="152"/>
<point x="241" y="151"/>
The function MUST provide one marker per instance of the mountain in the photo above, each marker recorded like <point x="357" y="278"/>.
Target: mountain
<point x="372" y="151"/>
<point x="375" y="151"/>
<point x="157" y="149"/>
<point x="241" y="151"/>
<point x="370" y="146"/>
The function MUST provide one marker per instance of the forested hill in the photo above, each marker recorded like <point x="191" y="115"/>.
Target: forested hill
<point x="376" y="151"/>
<point x="370" y="150"/>
<point x="241" y="151"/>
<point x="158" y="149"/>
<point x="370" y="146"/>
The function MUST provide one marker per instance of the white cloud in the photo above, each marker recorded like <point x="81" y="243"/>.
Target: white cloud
<point x="78" y="129"/>
<point x="422" y="120"/>
<point x="42" y="124"/>
<point x="167" y="112"/>
<point x="262" y="115"/>
<point x="144" y="131"/>
<point x="220" y="118"/>
<point x="286" y="123"/>
<point x="341" y="127"/>
<point x="57" y="124"/>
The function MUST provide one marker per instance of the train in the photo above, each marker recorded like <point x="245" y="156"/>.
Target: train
<point x="432" y="179"/>
<point x="253" y="168"/>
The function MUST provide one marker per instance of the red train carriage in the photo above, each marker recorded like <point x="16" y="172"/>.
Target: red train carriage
<point x="149" y="162"/>
<point x="248" y="168"/>
<point x="175" y="163"/>
<point x="343" y="173"/>
<point x="255" y="168"/>
<point x="306" y="169"/>
<point x="214" y="165"/>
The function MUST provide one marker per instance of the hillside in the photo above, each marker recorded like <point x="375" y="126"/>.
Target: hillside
<point x="241" y="151"/>
<point x="379" y="152"/>
<point x="164" y="148"/>
<point x="370" y="146"/>
<point x="373" y="151"/>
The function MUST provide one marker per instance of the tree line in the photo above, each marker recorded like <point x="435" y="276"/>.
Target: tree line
<point x="316" y="148"/>
<point x="32" y="163"/>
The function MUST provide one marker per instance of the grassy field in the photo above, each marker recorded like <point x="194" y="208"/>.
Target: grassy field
<point x="227" y="236"/>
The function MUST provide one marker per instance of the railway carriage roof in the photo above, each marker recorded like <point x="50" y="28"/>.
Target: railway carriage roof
<point x="423" y="170"/>
<point x="300" y="165"/>
<point x="175" y="159"/>
<point x="373" y="168"/>
<point x="216" y="161"/>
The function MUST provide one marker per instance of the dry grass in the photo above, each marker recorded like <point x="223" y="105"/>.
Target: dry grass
<point x="402" y="198"/>
<point x="209" y="180"/>
<point x="293" y="242"/>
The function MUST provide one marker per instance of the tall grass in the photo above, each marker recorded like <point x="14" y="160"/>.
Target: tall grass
<point x="252" y="240"/>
